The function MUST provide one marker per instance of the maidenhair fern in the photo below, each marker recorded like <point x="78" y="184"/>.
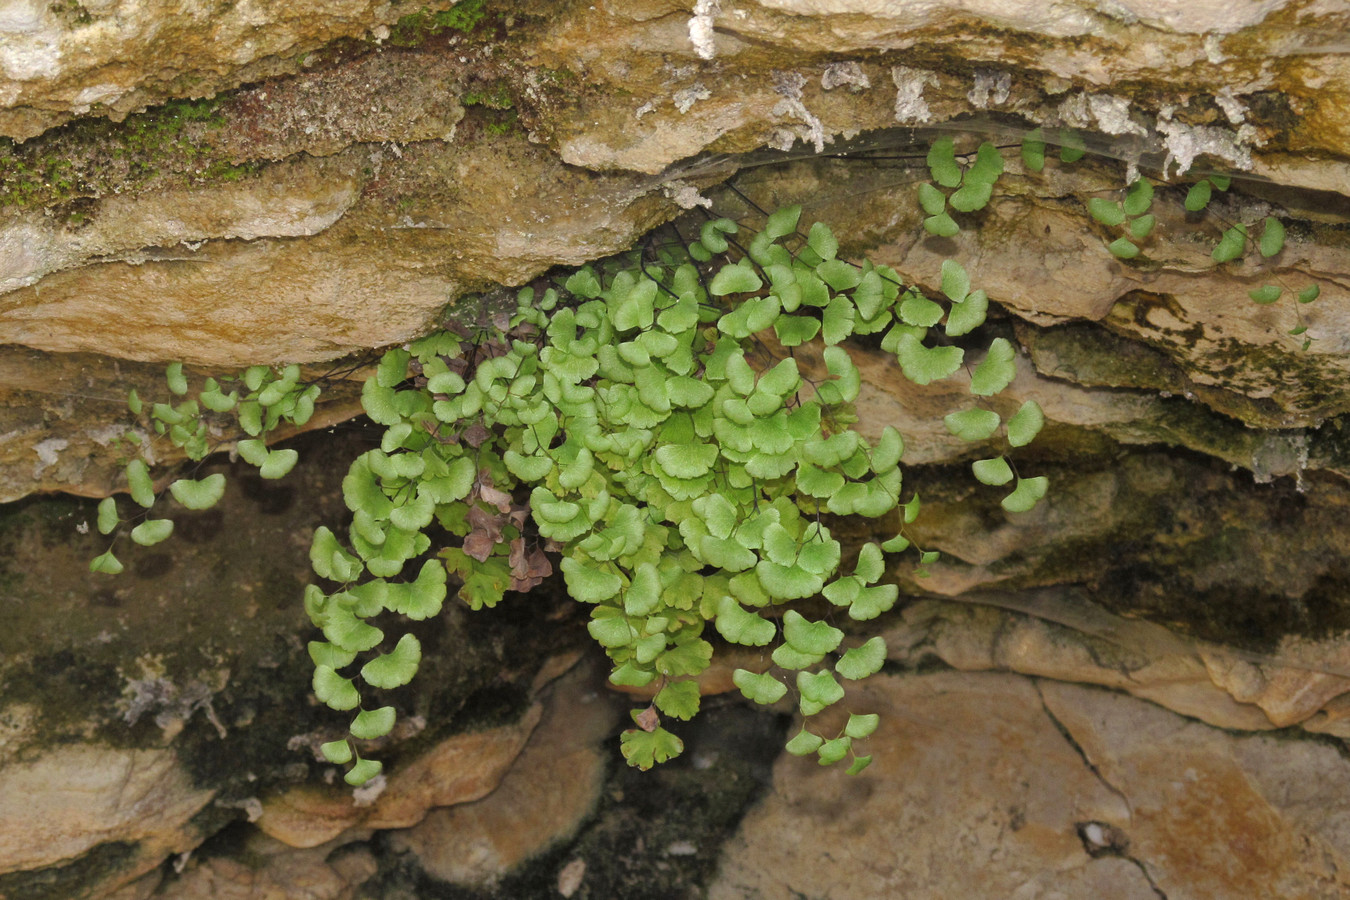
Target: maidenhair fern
<point x="258" y="401"/>
<point x="676" y="433"/>
<point x="649" y="422"/>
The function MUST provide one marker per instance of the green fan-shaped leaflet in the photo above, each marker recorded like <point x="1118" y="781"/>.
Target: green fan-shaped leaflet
<point x="177" y="381"/>
<point x="832" y="751"/>
<point x="740" y="626"/>
<point x="373" y="723"/>
<point x="106" y="563"/>
<point x="590" y="583"/>
<point x="919" y="310"/>
<point x="988" y="165"/>
<point x="1231" y="245"/>
<point x="1197" y="198"/>
<point x="1272" y="237"/>
<point x="955" y="280"/>
<point x="734" y="280"/>
<point x="860" y="726"/>
<point x="863" y="660"/>
<point x="200" y="494"/>
<point x="972" y="424"/>
<point x="152" y="531"/>
<point x="942" y="163"/>
<point x="679" y="699"/>
<point x="1266" y="294"/>
<point x="873" y="601"/>
<point x="1027" y="494"/>
<point x="278" y="463"/>
<point x="1138" y="197"/>
<point x="972" y="195"/>
<point x="782" y="222"/>
<point x="969" y="314"/>
<point x="762" y="688"/>
<point x="809" y="637"/>
<point x="1123" y="248"/>
<point x="804" y="743"/>
<point x="138" y="479"/>
<point x="395" y="668"/>
<point x="933" y="201"/>
<point x="821" y="240"/>
<point x="1142" y="227"/>
<point x="996" y="371"/>
<point x="1108" y="212"/>
<point x="923" y="365"/>
<point x="334" y="690"/>
<point x="994" y="471"/>
<point x="644" y="749"/>
<point x="363" y="771"/>
<point x="941" y="225"/>
<point x="818" y="690"/>
<point x="107" y="515"/>
<point x="337" y="752"/>
<point x="331" y="655"/>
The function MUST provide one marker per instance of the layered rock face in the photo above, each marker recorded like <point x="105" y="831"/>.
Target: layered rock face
<point x="1138" y="689"/>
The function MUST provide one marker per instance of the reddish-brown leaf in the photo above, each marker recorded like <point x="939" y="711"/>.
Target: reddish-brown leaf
<point x="480" y="519"/>
<point x="475" y="435"/>
<point x="648" y="719"/>
<point x="479" y="544"/>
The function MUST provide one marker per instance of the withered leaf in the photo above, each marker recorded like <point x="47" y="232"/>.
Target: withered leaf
<point x="479" y="544"/>
<point x="480" y="519"/>
<point x="475" y="435"/>
<point x="648" y="719"/>
<point x="528" y="568"/>
<point x="491" y="494"/>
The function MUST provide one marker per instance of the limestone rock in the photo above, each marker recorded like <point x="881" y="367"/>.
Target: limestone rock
<point x="71" y="800"/>
<point x="549" y="789"/>
<point x="276" y="872"/>
<point x="987" y="785"/>
<point x="231" y="303"/>
<point x="59" y="60"/>
<point x="1060" y="634"/>
<point x="972" y="792"/>
<point x="1257" y="816"/>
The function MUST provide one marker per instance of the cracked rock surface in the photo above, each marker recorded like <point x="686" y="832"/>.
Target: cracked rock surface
<point x="1003" y="786"/>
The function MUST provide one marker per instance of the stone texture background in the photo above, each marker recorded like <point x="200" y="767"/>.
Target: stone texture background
<point x="1140" y="689"/>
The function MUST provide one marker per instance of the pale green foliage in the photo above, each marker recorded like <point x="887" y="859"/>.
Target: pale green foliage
<point x="973" y="184"/>
<point x="1130" y="214"/>
<point x="631" y="423"/>
<point x="261" y="399"/>
<point x="1231" y="245"/>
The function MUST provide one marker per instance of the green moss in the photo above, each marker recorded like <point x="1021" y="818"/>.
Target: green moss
<point x="153" y="137"/>
<point x="415" y="28"/>
<point x="92" y="158"/>
<point x="498" y="96"/>
<point x="498" y="105"/>
<point x="504" y="124"/>
<point x="223" y="170"/>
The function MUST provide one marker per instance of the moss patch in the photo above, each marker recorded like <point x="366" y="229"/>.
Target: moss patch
<point x="415" y="28"/>
<point x="169" y="144"/>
